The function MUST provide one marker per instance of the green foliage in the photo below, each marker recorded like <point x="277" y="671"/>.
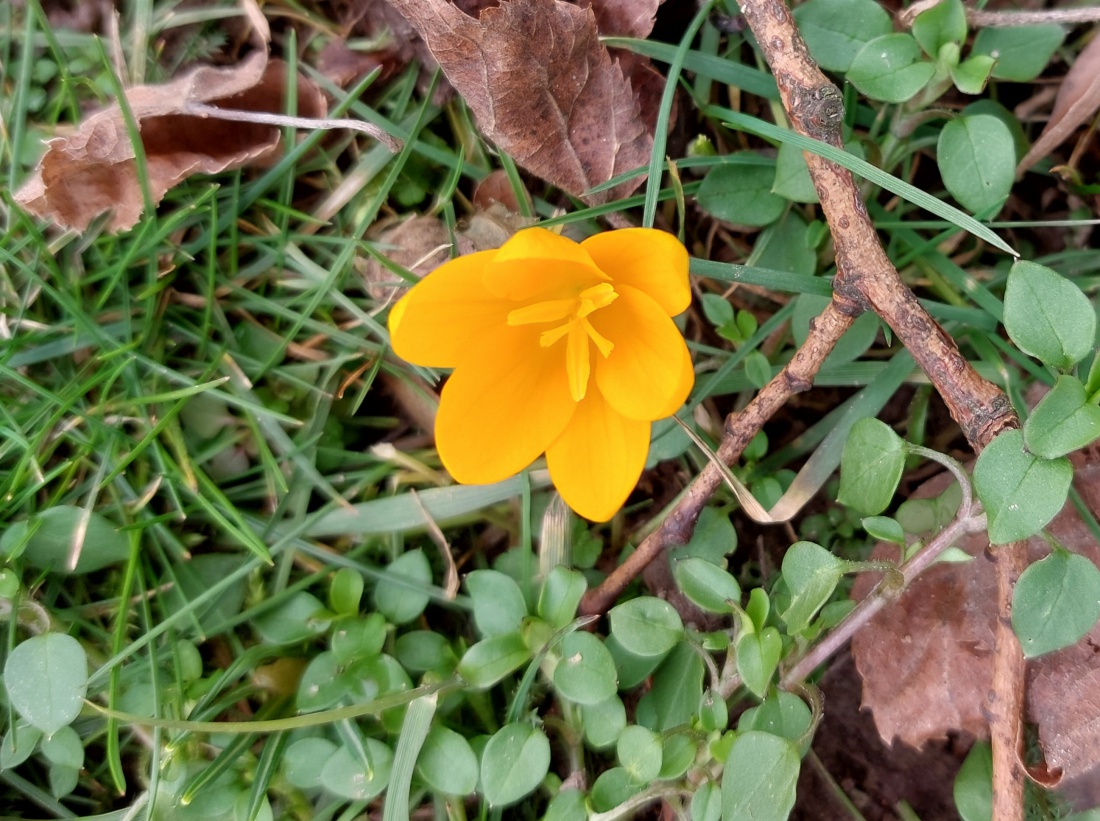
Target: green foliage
<point x="1047" y="316"/>
<point x="974" y="784"/>
<point x="871" y="466"/>
<point x="1055" y="602"/>
<point x="46" y="678"/>
<point x="978" y="161"/>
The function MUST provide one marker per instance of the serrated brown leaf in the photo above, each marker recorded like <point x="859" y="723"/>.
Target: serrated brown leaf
<point x="542" y="87"/>
<point x="1077" y="101"/>
<point x="624" y="18"/>
<point x="94" y="170"/>
<point x="926" y="660"/>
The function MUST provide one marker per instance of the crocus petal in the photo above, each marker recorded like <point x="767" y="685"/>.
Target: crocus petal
<point x="501" y="408"/>
<point x="442" y="316"/>
<point x="539" y="263"/>
<point x="648" y="375"/>
<point x="650" y="260"/>
<point x="597" y="460"/>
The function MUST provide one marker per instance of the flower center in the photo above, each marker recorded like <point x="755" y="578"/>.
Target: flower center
<point x="571" y="314"/>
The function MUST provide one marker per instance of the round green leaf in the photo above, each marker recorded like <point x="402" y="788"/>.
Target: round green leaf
<point x="46" y="678"/>
<point x="401" y="593"/>
<point x="612" y="788"/>
<point x="971" y="75"/>
<point x="1055" y="603"/>
<point x="322" y="684"/>
<point x="781" y="713"/>
<point x="1047" y="316"/>
<point x="889" y="68"/>
<point x="974" y="784"/>
<point x="447" y="762"/>
<point x="1063" y="421"/>
<point x="299" y="618"/>
<point x="345" y="590"/>
<point x="708" y="586"/>
<point x="586" y="672"/>
<point x="603" y="723"/>
<point x="639" y="751"/>
<point x="19" y="744"/>
<point x="1021" y="52"/>
<point x="706" y="803"/>
<point x="305" y="759"/>
<point x="943" y="23"/>
<point x="498" y="602"/>
<point x="52" y="535"/>
<point x="758" y="655"/>
<point x="421" y="650"/>
<point x="560" y="595"/>
<point x="835" y="30"/>
<point x="977" y="160"/>
<point x="1020" y="492"/>
<point x="677" y="686"/>
<point x="357" y="639"/>
<point x="885" y="529"/>
<point x="871" y="466"/>
<point x="760" y="777"/>
<point x="741" y="194"/>
<point x="811" y="573"/>
<point x="713" y="539"/>
<point x="677" y="755"/>
<point x="344" y="775"/>
<point x="491" y="659"/>
<point x="513" y="764"/>
<point x="64" y="748"/>
<point x="646" y="626"/>
<point x="567" y="805"/>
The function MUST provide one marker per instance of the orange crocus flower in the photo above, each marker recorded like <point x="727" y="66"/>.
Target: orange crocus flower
<point x="559" y="348"/>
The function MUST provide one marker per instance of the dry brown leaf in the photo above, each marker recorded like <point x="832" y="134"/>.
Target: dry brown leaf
<point x="542" y="87"/>
<point x="94" y="170"/>
<point x="926" y="660"/>
<point x="624" y="18"/>
<point x="1077" y="101"/>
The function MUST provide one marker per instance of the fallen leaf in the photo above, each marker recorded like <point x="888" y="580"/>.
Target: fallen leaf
<point x="926" y="660"/>
<point x="1077" y="101"/>
<point x="624" y="18"/>
<point x="94" y="170"/>
<point x="542" y="87"/>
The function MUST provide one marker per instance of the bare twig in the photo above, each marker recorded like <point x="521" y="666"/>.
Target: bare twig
<point x="1066" y="17"/>
<point x="1005" y="704"/>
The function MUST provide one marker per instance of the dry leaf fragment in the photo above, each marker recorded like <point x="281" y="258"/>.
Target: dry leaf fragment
<point x="926" y="661"/>
<point x="1077" y="101"/>
<point x="624" y="18"/>
<point x="542" y="87"/>
<point x="94" y="170"/>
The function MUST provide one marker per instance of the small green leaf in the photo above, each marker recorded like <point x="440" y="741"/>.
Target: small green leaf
<point x="974" y="783"/>
<point x="586" y="672"/>
<point x="1047" y="316"/>
<point x="401" y="592"/>
<point x="51" y="542"/>
<point x="631" y="669"/>
<point x="707" y="585"/>
<point x="677" y="686"/>
<point x="760" y="777"/>
<point x="1021" y="52"/>
<point x="792" y="175"/>
<point x="567" y="805"/>
<point x="513" y="764"/>
<point x="447" y="763"/>
<point x="971" y="75"/>
<point x="758" y="369"/>
<point x="811" y="573"/>
<point x="871" y="466"/>
<point x="299" y="618"/>
<point x="758" y="655"/>
<point x="1020" y="492"/>
<point x="889" y="68"/>
<point x="677" y="756"/>
<point x="421" y="650"/>
<point x="706" y="803"/>
<point x="884" y="529"/>
<point x="46" y="678"/>
<point x="491" y="659"/>
<point x="646" y="626"/>
<point x="713" y="712"/>
<point x="1055" y="603"/>
<point x="499" y="607"/>
<point x="18" y="745"/>
<point x="717" y="310"/>
<point x="942" y="24"/>
<point x="781" y="713"/>
<point x="639" y="751"/>
<point x="345" y="591"/>
<point x="305" y="759"/>
<point x="613" y="787"/>
<point x="741" y="194"/>
<point x="560" y="596"/>
<point x="835" y="30"/>
<point x="977" y="160"/>
<point x="1063" y="421"/>
<point x="357" y="639"/>
<point x="603" y="723"/>
<point x="345" y="775"/>
<point x="64" y="748"/>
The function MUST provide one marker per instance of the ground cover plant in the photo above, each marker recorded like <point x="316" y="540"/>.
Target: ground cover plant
<point x="754" y="380"/>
